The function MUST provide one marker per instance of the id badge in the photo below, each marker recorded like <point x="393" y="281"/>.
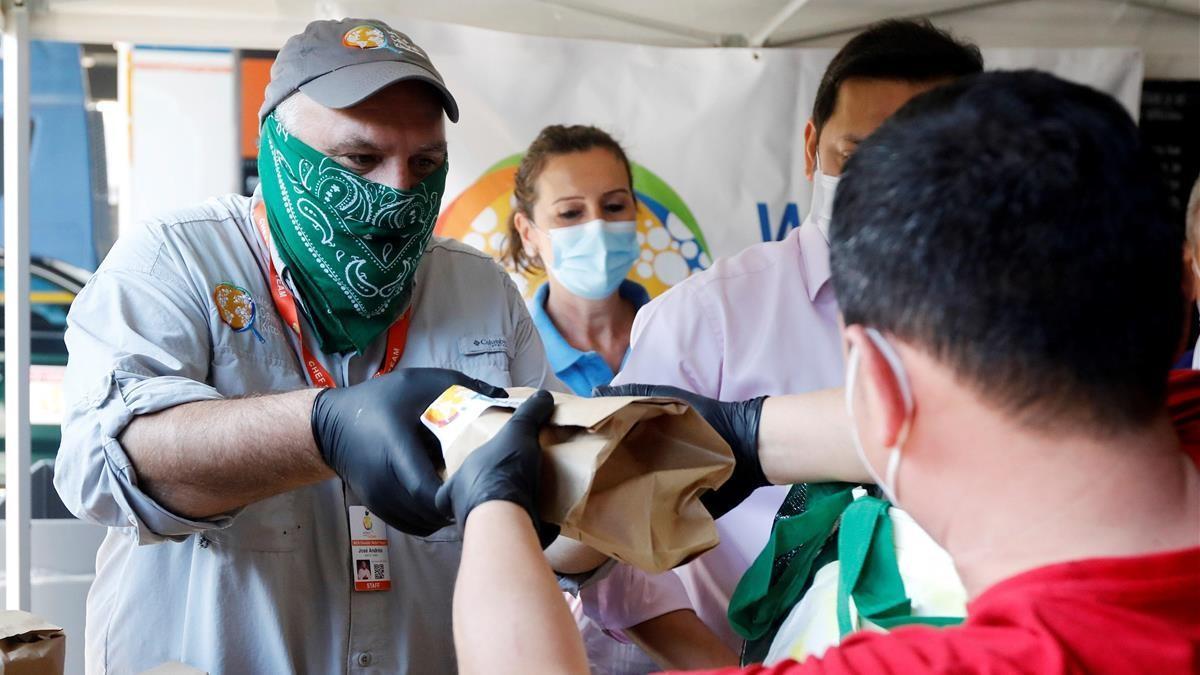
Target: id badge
<point x="368" y="551"/>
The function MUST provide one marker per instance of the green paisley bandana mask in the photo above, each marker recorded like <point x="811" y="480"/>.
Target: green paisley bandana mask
<point x="352" y="245"/>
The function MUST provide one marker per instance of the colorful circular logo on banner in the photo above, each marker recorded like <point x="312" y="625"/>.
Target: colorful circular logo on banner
<point x="673" y="247"/>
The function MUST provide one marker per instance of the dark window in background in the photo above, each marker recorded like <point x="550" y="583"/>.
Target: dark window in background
<point x="1170" y="123"/>
<point x="100" y="64"/>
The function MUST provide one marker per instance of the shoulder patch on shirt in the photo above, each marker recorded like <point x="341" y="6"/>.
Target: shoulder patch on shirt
<point x="483" y="344"/>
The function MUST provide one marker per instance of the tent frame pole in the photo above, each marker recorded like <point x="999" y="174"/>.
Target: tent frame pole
<point x="856" y="26"/>
<point x="760" y="37"/>
<point x="1163" y="7"/>
<point x="702" y="36"/>
<point x="16" y="306"/>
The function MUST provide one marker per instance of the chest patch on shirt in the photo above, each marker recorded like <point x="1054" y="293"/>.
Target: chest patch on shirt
<point x="483" y="344"/>
<point x="236" y="308"/>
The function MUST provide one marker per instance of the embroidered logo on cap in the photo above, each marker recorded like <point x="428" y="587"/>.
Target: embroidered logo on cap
<point x="236" y="308"/>
<point x="366" y="36"/>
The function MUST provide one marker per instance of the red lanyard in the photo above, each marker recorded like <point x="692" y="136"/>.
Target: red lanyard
<point x="285" y="304"/>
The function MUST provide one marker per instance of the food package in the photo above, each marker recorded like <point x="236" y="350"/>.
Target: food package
<point x="29" y="645"/>
<point x="622" y="475"/>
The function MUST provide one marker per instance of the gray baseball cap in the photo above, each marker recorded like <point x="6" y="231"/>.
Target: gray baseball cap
<point x="340" y="63"/>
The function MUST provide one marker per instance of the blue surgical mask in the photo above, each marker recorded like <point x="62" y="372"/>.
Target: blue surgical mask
<point x="886" y="482"/>
<point x="591" y="259"/>
<point x="824" y="189"/>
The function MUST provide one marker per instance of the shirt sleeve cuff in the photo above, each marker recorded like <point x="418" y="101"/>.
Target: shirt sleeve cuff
<point x="627" y="597"/>
<point x="119" y="398"/>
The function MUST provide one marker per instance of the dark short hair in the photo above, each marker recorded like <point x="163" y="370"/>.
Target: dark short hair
<point x="895" y="49"/>
<point x="1013" y="226"/>
<point x="552" y="141"/>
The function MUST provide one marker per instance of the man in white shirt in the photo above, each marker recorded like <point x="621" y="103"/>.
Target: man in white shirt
<point x="763" y="322"/>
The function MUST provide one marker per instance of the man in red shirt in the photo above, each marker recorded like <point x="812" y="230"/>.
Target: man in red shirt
<point x="1011" y="290"/>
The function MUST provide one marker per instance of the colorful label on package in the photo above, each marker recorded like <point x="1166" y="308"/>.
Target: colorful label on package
<point x="368" y="551"/>
<point x="457" y="408"/>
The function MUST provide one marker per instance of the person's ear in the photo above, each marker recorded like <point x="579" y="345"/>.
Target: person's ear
<point x="810" y="149"/>
<point x="879" y="391"/>
<point x="528" y="232"/>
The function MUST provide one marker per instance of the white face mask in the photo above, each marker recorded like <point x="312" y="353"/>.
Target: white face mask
<point x="887" y="482"/>
<point x="824" y="188"/>
<point x="592" y="259"/>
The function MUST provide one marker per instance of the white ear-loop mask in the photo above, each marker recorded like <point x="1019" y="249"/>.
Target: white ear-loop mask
<point x="888" y="482"/>
<point x="1196" y="347"/>
<point x="823" y="191"/>
<point x="1196" y="279"/>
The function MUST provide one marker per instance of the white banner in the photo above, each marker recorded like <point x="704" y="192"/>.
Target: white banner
<point x="716" y="134"/>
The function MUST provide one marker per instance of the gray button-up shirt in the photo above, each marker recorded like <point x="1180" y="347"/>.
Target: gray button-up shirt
<point x="267" y="589"/>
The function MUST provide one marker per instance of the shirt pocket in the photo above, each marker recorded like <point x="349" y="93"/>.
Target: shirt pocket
<point x="485" y="357"/>
<point x="271" y="525"/>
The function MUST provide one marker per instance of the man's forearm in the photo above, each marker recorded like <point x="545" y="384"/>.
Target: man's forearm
<point x="805" y="438"/>
<point x="509" y="616"/>
<point x="209" y="457"/>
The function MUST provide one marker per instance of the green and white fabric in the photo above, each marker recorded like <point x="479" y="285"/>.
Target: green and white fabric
<point x="353" y="245"/>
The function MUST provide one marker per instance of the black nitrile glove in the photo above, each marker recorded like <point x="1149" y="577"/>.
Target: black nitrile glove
<point x="735" y="421"/>
<point x="506" y="468"/>
<point x="371" y="434"/>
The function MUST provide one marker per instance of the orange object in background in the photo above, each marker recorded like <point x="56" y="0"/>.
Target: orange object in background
<point x="254" y="71"/>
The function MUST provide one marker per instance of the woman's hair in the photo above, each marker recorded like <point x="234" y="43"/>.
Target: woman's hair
<point x="553" y="141"/>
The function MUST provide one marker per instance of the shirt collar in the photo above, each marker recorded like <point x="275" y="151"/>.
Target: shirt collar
<point x="559" y="352"/>
<point x="273" y="253"/>
<point x="814" y="254"/>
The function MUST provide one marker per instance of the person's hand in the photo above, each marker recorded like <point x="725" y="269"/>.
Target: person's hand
<point x="736" y="422"/>
<point x="507" y="468"/>
<point x="371" y="435"/>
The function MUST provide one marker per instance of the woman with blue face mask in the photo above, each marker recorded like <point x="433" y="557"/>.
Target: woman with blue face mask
<point x="575" y="217"/>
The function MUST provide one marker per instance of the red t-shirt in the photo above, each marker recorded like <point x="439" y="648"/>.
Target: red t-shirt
<point x="1114" y="615"/>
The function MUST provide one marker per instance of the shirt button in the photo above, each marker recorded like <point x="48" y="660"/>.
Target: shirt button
<point x="364" y="659"/>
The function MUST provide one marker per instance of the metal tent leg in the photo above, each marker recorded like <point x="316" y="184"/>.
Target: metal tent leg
<point x="16" y="306"/>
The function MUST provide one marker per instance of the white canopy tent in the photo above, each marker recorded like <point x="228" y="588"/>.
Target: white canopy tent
<point x="1166" y="31"/>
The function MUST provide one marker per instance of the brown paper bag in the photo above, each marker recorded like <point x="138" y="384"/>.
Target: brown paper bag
<point x="29" y="645"/>
<point x="620" y="474"/>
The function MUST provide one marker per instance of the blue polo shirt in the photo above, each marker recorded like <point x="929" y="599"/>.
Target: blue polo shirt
<point x="581" y="371"/>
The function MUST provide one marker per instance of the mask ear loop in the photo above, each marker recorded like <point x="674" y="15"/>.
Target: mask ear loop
<point x="897" y="366"/>
<point x="852" y="377"/>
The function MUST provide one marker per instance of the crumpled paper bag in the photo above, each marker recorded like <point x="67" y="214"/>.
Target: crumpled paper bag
<point x="30" y="645"/>
<point x="622" y="475"/>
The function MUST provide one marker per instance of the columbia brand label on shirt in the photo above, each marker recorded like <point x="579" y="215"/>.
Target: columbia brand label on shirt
<point x="483" y="344"/>
<point x="368" y="551"/>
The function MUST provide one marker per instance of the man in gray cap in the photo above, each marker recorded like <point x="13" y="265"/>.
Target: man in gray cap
<point x="246" y="378"/>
